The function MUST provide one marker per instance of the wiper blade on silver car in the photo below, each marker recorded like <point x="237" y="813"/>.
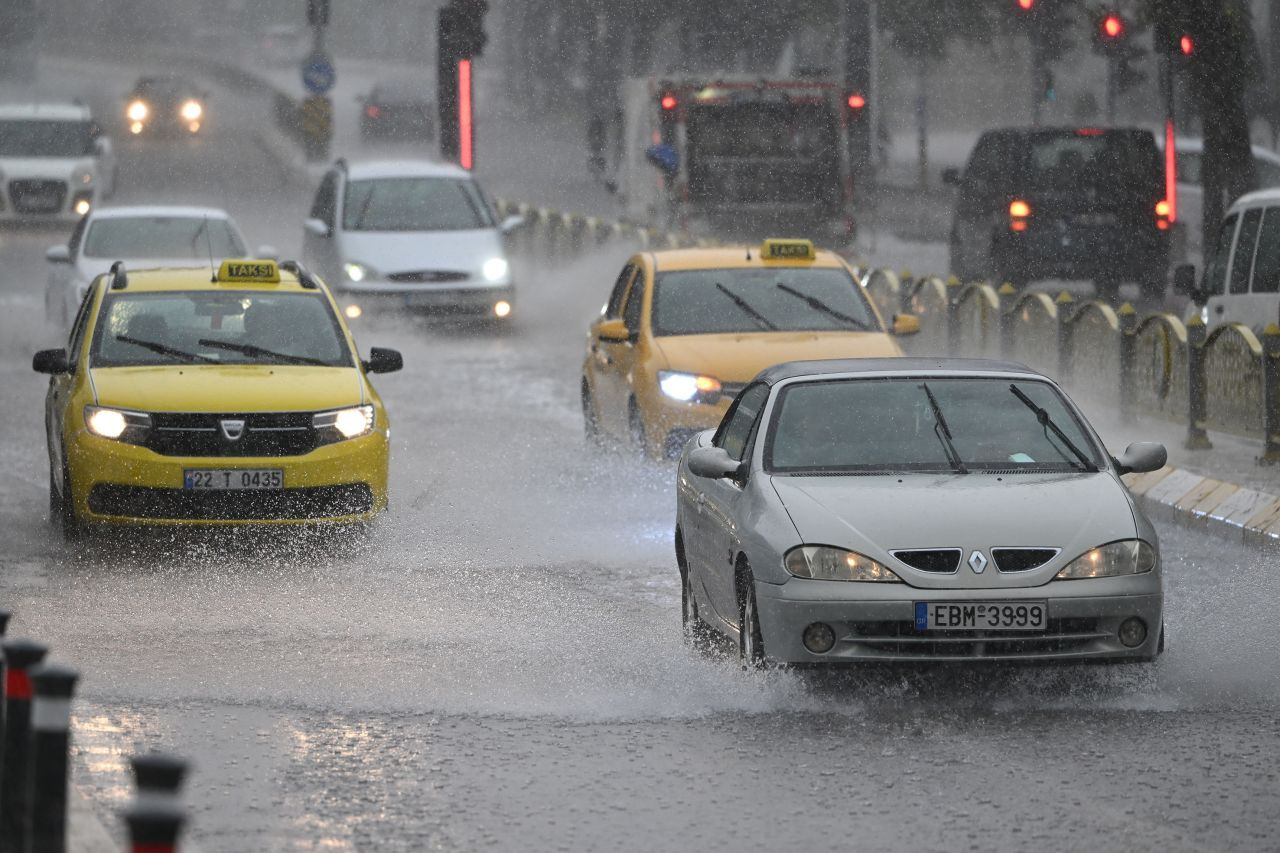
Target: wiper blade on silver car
<point x="254" y="351"/>
<point x="943" y="432"/>
<point x="818" y="305"/>
<point x="162" y="349"/>
<point x="1047" y="422"/>
<point x="746" y="308"/>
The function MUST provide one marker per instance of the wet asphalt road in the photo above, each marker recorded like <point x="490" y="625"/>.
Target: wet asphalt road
<point x="499" y="666"/>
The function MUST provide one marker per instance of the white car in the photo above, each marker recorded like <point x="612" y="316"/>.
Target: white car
<point x="141" y="236"/>
<point x="1241" y="281"/>
<point x="55" y="165"/>
<point x="1189" y="154"/>
<point x="412" y="234"/>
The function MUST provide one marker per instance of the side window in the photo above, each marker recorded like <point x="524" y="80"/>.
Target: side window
<point x="735" y="431"/>
<point x="1215" y="271"/>
<point x="78" y="327"/>
<point x="1266" y="263"/>
<point x="614" y="308"/>
<point x="635" y="301"/>
<point x="1242" y="257"/>
<point x="325" y="205"/>
<point x="77" y="236"/>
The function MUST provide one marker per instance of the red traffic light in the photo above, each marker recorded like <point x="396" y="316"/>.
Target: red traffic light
<point x="1113" y="26"/>
<point x="669" y="102"/>
<point x="1187" y="44"/>
<point x="857" y="101"/>
<point x="1026" y="5"/>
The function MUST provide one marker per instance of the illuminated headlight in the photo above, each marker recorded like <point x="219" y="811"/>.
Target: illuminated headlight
<point x="687" y="387"/>
<point x="114" y="423"/>
<point x="138" y="111"/>
<point x="821" y="563"/>
<point x="356" y="272"/>
<point x="192" y="110"/>
<point x="495" y="269"/>
<point x="82" y="206"/>
<point x="1204" y="314"/>
<point x="82" y="176"/>
<point x="1128" y="557"/>
<point x="345" y="423"/>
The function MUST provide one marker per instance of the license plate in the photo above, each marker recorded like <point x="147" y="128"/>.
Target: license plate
<point x="220" y="479"/>
<point x="980" y="615"/>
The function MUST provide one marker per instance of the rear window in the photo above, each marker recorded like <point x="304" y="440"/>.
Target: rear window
<point x="1065" y="160"/>
<point x="804" y="131"/>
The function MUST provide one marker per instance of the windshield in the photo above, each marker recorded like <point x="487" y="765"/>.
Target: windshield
<point x="414" y="204"/>
<point x="45" y="138"/>
<point x="171" y="237"/>
<point x="785" y="299"/>
<point x="890" y="425"/>
<point x="227" y="327"/>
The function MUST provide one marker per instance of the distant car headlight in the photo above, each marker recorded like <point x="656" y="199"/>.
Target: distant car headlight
<point x="191" y="110"/>
<point x="495" y="269"/>
<point x="345" y="423"/>
<point x="114" y="423"/>
<point x="138" y="111"/>
<point x="819" y="562"/>
<point x="82" y="176"/>
<point x="356" y="272"/>
<point x="687" y="387"/>
<point x="1127" y="557"/>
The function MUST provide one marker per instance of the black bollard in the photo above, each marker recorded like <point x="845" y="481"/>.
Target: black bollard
<point x="4" y="624"/>
<point x="154" y="827"/>
<point x="159" y="778"/>
<point x="15" y="783"/>
<point x="51" y="741"/>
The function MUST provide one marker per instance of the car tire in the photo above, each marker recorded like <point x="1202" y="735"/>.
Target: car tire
<point x="697" y="633"/>
<point x="750" y="640"/>
<point x="72" y="527"/>
<point x="590" y="419"/>
<point x="635" y="429"/>
<point x="55" y="501"/>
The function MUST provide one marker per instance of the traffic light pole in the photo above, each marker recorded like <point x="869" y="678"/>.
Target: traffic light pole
<point x="1111" y="90"/>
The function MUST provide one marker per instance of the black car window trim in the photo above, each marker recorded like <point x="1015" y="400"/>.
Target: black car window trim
<point x="617" y="297"/>
<point x="75" y="342"/>
<point x="633" y="306"/>
<point x="731" y="415"/>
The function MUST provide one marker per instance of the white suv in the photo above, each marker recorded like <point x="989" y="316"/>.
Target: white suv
<point x="54" y="163"/>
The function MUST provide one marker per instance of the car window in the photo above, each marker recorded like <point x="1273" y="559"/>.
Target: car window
<point x="325" y="206"/>
<point x="613" y="309"/>
<point x="984" y="162"/>
<point x="414" y="204"/>
<point x="169" y="237"/>
<point x="1266" y="262"/>
<point x="1242" y="257"/>
<point x="1118" y="160"/>
<point x="735" y="431"/>
<point x="635" y="301"/>
<point x="1215" y="271"/>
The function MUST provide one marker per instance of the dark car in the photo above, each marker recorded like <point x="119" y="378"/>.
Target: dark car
<point x="165" y="106"/>
<point x="1084" y="203"/>
<point x="399" y="109"/>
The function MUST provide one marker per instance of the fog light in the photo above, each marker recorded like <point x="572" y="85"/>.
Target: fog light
<point x="502" y="308"/>
<point x="1133" y="632"/>
<point x="819" y="638"/>
<point x="353" y="311"/>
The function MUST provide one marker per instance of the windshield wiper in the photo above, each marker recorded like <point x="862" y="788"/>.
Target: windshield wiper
<point x="746" y="308"/>
<point x="943" y="432"/>
<point x="358" y="225"/>
<point x="1047" y="422"/>
<point x="818" y="305"/>
<point x="161" y="349"/>
<point x="255" y="351"/>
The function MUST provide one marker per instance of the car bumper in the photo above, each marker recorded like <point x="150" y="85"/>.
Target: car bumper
<point x="669" y="424"/>
<point x="1049" y="253"/>
<point x="1083" y="621"/>
<point x="472" y="298"/>
<point x="116" y="483"/>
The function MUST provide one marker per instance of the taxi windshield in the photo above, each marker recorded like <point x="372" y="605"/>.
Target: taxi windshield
<point x="45" y="138"/>
<point x="218" y="327"/>
<point x="169" y="237"/>
<point x="414" y="204"/>
<point x="781" y="299"/>
<point x="925" y="424"/>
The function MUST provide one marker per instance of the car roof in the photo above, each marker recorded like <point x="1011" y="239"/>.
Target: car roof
<point x="138" y="211"/>
<point x="48" y="111"/>
<point x="734" y="257"/>
<point x="1257" y="198"/>
<point x="404" y="169"/>
<point x="909" y="366"/>
<point x="168" y="279"/>
<point x="1065" y="131"/>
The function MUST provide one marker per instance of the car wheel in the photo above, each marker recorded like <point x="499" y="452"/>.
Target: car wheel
<point x="696" y="632"/>
<point x="590" y="420"/>
<point x="55" y="501"/>
<point x="750" y="640"/>
<point x="635" y="426"/>
<point x="72" y="527"/>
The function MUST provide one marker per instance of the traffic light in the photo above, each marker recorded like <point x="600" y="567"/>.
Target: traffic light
<point x="1026" y="5"/>
<point x="668" y="106"/>
<point x="469" y="21"/>
<point x="1187" y="45"/>
<point x="318" y="13"/>
<point x="1111" y="33"/>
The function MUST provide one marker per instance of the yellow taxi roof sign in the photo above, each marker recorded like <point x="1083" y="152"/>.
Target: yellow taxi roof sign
<point x="249" y="272"/>
<point x="788" y="250"/>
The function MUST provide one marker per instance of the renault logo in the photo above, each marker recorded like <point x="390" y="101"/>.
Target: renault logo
<point x="232" y="429"/>
<point x="977" y="562"/>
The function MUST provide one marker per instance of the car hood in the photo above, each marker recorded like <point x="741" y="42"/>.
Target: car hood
<point x="739" y="357"/>
<point x="52" y="168"/>
<point x="877" y="514"/>
<point x="226" y="388"/>
<point x="454" y="251"/>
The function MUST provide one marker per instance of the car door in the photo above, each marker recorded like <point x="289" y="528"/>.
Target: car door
<point x="321" y="249"/>
<point x="720" y="503"/>
<point x="62" y="386"/>
<point x="610" y="358"/>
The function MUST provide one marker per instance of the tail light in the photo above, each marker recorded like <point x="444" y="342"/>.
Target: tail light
<point x="1019" y="212"/>
<point x="1162" y="214"/>
<point x="372" y="111"/>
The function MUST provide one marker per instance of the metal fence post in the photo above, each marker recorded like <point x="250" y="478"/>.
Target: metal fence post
<point x="51" y="740"/>
<point x="1271" y="395"/>
<point x="1197" y="401"/>
<point x="1008" y="295"/>
<point x="1128" y="317"/>
<point x="1065" y="316"/>
<point x="15" y="784"/>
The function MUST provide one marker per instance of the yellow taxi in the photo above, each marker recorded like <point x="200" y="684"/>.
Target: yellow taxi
<point x="684" y="331"/>
<point x="233" y="398"/>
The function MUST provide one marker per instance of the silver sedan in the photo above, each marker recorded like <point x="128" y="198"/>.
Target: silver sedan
<point x="915" y="509"/>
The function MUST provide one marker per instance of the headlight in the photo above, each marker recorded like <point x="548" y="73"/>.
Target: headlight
<point x="114" y="423"/>
<point x="835" y="564"/>
<point x="138" y="111"/>
<point x="1129" y="557"/>
<point x="356" y="272"/>
<point x="495" y="269"/>
<point x="82" y="176"/>
<point x="687" y="387"/>
<point x="345" y="423"/>
<point x="192" y="110"/>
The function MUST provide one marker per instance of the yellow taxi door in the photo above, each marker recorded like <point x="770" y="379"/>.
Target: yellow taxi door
<point x="607" y="357"/>
<point x="62" y="386"/>
<point x="627" y="355"/>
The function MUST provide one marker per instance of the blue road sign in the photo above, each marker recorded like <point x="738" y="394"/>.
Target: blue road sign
<point x="318" y="74"/>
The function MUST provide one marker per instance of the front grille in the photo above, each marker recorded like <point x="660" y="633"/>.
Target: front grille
<point x="901" y="639"/>
<point x="200" y="434"/>
<point x="428" y="277"/>
<point x="943" y="560"/>
<point x="37" y="196"/>
<point x="233" y="505"/>
<point x="1022" y="559"/>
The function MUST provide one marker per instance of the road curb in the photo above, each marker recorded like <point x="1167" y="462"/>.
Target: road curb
<point x="85" y="832"/>
<point x="1188" y="498"/>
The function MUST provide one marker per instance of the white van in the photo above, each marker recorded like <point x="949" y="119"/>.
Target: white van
<point x="1241" y="282"/>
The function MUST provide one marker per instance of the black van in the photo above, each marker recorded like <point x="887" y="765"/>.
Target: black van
<point x="1081" y="203"/>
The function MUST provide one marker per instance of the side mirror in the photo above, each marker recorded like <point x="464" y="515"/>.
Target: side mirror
<point x="383" y="360"/>
<point x="951" y="175"/>
<point x="316" y="227"/>
<point x="613" y="331"/>
<point x="1184" y="279"/>
<point x="906" y="324"/>
<point x="713" y="463"/>
<point x="58" y="254"/>
<point x="268" y="252"/>
<point x="50" y="361"/>
<point x="511" y="223"/>
<point x="1142" y="457"/>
